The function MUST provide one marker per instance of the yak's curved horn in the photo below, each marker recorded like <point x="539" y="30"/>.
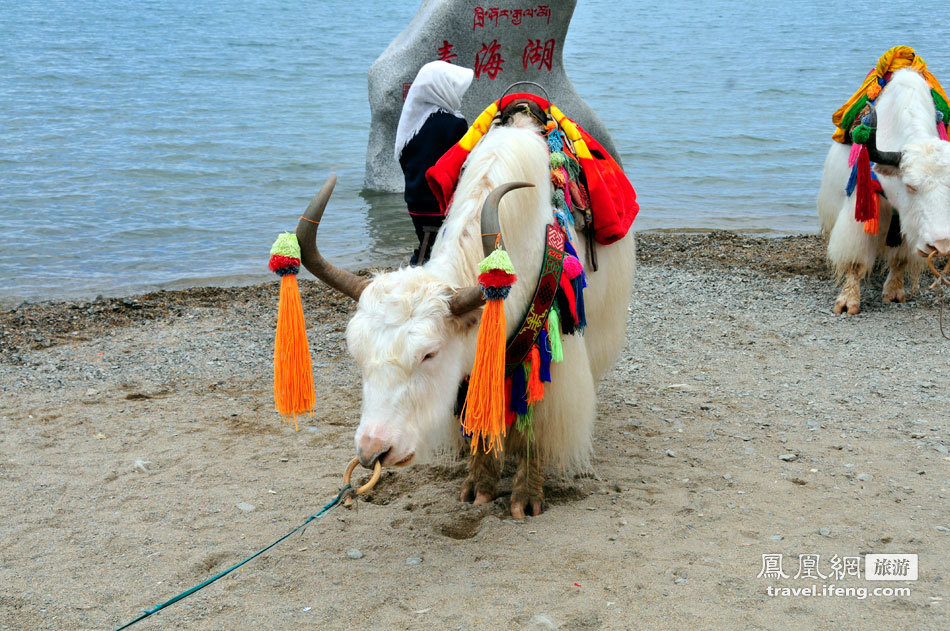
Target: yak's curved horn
<point x="888" y="158"/>
<point x="340" y="279"/>
<point x="469" y="298"/>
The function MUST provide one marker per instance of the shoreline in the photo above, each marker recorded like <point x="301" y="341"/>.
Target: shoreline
<point x="246" y="279"/>
<point x="35" y="325"/>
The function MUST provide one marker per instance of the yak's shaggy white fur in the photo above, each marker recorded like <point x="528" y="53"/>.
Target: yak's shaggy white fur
<point x="413" y="353"/>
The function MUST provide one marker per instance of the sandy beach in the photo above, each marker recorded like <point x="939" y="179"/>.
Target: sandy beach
<point x="140" y="454"/>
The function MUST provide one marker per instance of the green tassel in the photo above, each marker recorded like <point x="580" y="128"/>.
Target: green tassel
<point x="525" y="424"/>
<point x="941" y="105"/>
<point x="557" y="159"/>
<point x="554" y="335"/>
<point x="573" y="167"/>
<point x="558" y="201"/>
<point x="848" y="119"/>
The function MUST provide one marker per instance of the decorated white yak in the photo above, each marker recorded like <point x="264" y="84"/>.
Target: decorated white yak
<point x="414" y="331"/>
<point x="899" y="210"/>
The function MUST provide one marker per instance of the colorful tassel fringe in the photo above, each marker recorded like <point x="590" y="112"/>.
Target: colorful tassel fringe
<point x="293" y="370"/>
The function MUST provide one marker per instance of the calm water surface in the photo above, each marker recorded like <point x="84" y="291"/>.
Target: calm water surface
<point x="156" y="144"/>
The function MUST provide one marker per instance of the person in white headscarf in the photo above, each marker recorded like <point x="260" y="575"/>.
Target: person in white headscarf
<point x="431" y="122"/>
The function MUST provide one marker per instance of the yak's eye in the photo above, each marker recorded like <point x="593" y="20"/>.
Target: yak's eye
<point x="429" y="355"/>
<point x="911" y="189"/>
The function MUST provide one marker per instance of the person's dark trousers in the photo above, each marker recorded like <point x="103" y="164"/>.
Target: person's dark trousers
<point x="427" y="227"/>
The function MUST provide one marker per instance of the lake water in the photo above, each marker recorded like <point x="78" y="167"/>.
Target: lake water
<point x="158" y="144"/>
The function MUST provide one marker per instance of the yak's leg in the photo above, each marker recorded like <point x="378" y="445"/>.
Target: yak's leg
<point x="894" y="285"/>
<point x="527" y="494"/>
<point x="850" y="297"/>
<point x="852" y="252"/>
<point x="481" y="485"/>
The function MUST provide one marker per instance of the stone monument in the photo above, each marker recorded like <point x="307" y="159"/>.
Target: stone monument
<point x="503" y="41"/>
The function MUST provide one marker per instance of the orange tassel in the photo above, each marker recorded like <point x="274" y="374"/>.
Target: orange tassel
<point x="535" y="387"/>
<point x="872" y="225"/>
<point x="483" y="412"/>
<point x="293" y="373"/>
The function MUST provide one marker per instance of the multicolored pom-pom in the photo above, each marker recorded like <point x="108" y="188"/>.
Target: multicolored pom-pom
<point x="285" y="255"/>
<point x="496" y="275"/>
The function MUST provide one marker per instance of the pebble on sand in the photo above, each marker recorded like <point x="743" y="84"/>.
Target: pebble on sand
<point x="245" y="507"/>
<point x="540" y="623"/>
<point x="353" y="553"/>
<point x="788" y="457"/>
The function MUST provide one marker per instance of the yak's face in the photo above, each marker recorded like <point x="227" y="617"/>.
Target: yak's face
<point x="920" y="189"/>
<point x="411" y="352"/>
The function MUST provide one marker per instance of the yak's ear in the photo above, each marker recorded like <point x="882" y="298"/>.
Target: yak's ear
<point x="467" y="320"/>
<point x="887" y="169"/>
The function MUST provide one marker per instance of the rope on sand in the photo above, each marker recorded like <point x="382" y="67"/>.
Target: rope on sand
<point x="942" y="279"/>
<point x="345" y="495"/>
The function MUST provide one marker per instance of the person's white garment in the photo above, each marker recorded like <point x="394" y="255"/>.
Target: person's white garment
<point x="438" y="86"/>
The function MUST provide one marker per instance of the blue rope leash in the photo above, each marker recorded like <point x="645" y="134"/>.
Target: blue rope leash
<point x="148" y="612"/>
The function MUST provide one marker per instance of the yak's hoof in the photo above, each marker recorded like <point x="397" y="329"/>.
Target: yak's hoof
<point x="520" y="509"/>
<point x="894" y="294"/>
<point x="478" y="494"/>
<point x="846" y="304"/>
<point x="526" y="503"/>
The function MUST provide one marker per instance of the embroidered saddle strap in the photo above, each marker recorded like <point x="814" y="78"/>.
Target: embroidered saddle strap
<point x="522" y="341"/>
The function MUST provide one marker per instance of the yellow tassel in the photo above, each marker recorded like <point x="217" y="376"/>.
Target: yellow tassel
<point x="483" y="412"/>
<point x="293" y="372"/>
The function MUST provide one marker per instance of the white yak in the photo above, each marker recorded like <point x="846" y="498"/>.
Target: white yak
<point x="913" y="166"/>
<point x="414" y="330"/>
